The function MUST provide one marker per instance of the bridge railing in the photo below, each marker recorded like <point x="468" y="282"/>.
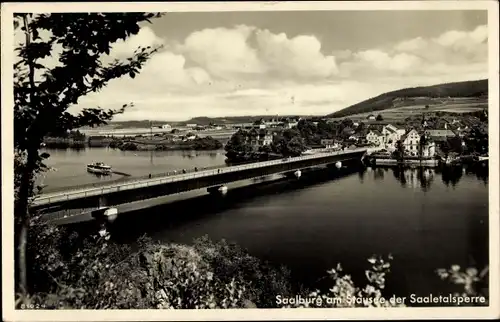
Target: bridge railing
<point x="128" y="185"/>
<point x="133" y="179"/>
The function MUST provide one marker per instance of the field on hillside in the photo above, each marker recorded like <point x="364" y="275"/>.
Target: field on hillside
<point x="455" y="105"/>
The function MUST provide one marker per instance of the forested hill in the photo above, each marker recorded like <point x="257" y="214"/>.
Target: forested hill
<point x="416" y="96"/>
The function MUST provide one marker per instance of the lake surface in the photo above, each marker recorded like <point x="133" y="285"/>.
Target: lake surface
<point x="70" y="165"/>
<point x="426" y="218"/>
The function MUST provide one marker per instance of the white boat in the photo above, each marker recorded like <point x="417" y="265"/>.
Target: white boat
<point x="99" y="167"/>
<point x="308" y="152"/>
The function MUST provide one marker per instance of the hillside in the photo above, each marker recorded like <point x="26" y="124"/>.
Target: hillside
<point x="428" y="95"/>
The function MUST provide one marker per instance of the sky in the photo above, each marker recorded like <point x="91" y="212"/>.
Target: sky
<point x="291" y="63"/>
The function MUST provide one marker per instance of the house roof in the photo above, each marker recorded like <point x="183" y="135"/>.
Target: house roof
<point x="390" y="129"/>
<point x="437" y="138"/>
<point x="403" y="137"/>
<point x="441" y="132"/>
<point x="397" y="127"/>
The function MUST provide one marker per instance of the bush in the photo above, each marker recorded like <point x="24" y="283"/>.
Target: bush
<point x="68" y="272"/>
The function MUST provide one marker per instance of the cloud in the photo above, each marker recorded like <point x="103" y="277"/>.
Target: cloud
<point x="459" y="54"/>
<point x="243" y="52"/>
<point x="247" y="70"/>
<point x="223" y="52"/>
<point x="145" y="37"/>
<point x="298" y="57"/>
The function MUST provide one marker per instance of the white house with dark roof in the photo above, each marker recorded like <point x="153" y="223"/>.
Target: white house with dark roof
<point x="411" y="141"/>
<point x="391" y="135"/>
<point x="375" y="137"/>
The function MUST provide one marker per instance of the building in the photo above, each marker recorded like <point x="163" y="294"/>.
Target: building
<point x="411" y="142"/>
<point x="440" y="135"/>
<point x="375" y="137"/>
<point x="260" y="124"/>
<point x="265" y="139"/>
<point x="191" y="125"/>
<point x="429" y="149"/>
<point x="167" y="127"/>
<point x="391" y="134"/>
<point x="399" y="130"/>
<point x="290" y="124"/>
<point x="329" y="143"/>
<point x="243" y="126"/>
<point x="272" y="123"/>
<point x="259" y="138"/>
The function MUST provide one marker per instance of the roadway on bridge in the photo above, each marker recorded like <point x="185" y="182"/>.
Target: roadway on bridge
<point x="79" y="192"/>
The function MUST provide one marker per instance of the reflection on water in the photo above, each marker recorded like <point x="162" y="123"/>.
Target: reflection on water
<point x="416" y="178"/>
<point x="423" y="178"/>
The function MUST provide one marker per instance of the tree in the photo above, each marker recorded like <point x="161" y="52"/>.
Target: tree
<point x="379" y="117"/>
<point x="237" y="145"/>
<point x="289" y="143"/>
<point x="399" y="153"/>
<point x="477" y="139"/>
<point x="361" y="127"/>
<point x="421" y="145"/>
<point x="452" y="144"/>
<point x="43" y="94"/>
<point x="295" y="147"/>
<point x="265" y="149"/>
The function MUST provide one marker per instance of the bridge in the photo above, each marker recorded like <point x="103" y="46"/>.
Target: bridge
<point x="79" y="200"/>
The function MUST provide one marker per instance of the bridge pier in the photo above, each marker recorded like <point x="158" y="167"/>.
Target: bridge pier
<point x="220" y="190"/>
<point x="336" y="166"/>
<point x="106" y="215"/>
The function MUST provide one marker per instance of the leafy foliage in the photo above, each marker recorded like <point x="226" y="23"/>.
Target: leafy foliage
<point x="399" y="152"/>
<point x="44" y="93"/>
<point x="345" y="293"/>
<point x="289" y="143"/>
<point x="237" y="145"/>
<point x="472" y="282"/>
<point x="476" y="139"/>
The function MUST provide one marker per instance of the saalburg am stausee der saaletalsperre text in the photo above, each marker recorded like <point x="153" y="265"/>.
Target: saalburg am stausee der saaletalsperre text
<point x="351" y="300"/>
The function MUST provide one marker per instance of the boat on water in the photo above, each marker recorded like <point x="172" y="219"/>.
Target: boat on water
<point x="99" y="167"/>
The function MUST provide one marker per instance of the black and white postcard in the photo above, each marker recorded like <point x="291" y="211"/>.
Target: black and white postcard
<point x="250" y="160"/>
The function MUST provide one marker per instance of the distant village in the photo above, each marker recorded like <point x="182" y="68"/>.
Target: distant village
<point x="419" y="136"/>
<point x="435" y="129"/>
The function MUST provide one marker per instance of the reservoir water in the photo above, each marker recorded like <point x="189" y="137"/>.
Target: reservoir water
<point x="425" y="218"/>
<point x="69" y="165"/>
